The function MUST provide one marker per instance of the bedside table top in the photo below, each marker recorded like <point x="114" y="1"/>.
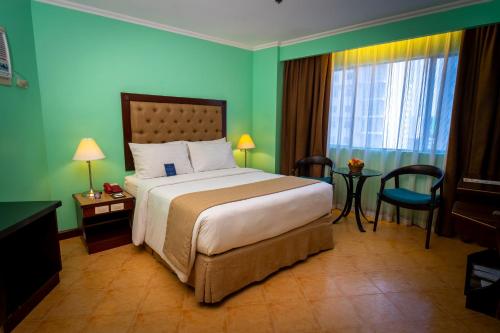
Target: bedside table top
<point x="105" y="198"/>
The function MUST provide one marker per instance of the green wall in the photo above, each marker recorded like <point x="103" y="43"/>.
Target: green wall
<point x="265" y="108"/>
<point x="85" y="61"/>
<point x="264" y="69"/>
<point x="23" y="164"/>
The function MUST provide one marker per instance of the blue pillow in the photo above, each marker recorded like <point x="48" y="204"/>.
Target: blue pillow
<point x="170" y="169"/>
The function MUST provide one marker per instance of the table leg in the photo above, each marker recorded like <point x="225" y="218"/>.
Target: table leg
<point x="348" y="200"/>
<point x="357" y="202"/>
<point x="350" y="195"/>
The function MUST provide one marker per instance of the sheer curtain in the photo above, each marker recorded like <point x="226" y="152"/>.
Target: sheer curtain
<point x="391" y="106"/>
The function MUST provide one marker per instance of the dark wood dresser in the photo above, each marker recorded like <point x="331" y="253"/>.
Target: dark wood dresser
<point x="476" y="213"/>
<point x="30" y="258"/>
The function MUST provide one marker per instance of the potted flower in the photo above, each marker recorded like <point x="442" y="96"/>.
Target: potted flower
<point x="355" y="165"/>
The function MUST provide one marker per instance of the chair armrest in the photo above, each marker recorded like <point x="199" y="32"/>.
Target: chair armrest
<point x="438" y="184"/>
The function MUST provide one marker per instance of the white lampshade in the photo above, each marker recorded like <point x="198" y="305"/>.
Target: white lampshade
<point x="88" y="150"/>
<point x="246" y="142"/>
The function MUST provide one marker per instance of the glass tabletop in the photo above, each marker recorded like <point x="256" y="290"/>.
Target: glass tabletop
<point x="365" y="172"/>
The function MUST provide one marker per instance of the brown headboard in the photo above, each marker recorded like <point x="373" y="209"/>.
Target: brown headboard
<point x="159" y="119"/>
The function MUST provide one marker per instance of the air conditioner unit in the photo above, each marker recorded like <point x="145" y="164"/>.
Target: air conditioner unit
<point x="5" y="66"/>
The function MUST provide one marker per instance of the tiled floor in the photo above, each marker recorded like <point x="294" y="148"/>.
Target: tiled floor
<point x="371" y="282"/>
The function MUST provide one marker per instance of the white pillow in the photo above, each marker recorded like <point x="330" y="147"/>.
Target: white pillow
<point x="211" y="156"/>
<point x="150" y="158"/>
<point x="221" y="140"/>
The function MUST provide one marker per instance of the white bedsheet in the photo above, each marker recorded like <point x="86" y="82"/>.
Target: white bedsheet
<point x="231" y="225"/>
<point x="131" y="184"/>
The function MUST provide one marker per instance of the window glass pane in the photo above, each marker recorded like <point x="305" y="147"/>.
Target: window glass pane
<point x="402" y="105"/>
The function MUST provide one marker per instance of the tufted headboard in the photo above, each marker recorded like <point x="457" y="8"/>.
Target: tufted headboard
<point x="159" y="119"/>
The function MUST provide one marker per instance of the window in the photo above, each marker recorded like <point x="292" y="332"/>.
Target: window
<point x="395" y="96"/>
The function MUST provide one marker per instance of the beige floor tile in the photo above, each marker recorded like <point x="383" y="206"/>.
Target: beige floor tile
<point x="416" y="306"/>
<point x="51" y="300"/>
<point x="319" y="286"/>
<point x="390" y="281"/>
<point x="313" y="266"/>
<point x="282" y="287"/>
<point x="336" y="314"/>
<point x="95" y="280"/>
<point x="481" y="323"/>
<point x="451" y="302"/>
<point x="293" y="316"/>
<point x="159" y="298"/>
<point x="68" y="324"/>
<point x="76" y="303"/>
<point x="251" y="295"/>
<point x="376" y="309"/>
<point x="371" y="282"/>
<point x="116" y="323"/>
<point x="242" y="318"/>
<point x="109" y="260"/>
<point x="212" y="319"/>
<point x="27" y="326"/>
<point x="117" y="301"/>
<point x="165" y="321"/>
<point x="132" y="278"/>
<point x="355" y="284"/>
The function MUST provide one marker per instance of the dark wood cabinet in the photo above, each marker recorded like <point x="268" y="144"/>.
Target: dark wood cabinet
<point x="476" y="214"/>
<point x="106" y="222"/>
<point x="30" y="258"/>
<point x="482" y="283"/>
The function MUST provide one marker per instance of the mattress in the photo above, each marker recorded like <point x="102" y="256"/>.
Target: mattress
<point x="230" y="225"/>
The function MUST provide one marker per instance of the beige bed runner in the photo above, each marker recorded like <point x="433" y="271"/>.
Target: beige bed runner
<point x="185" y="209"/>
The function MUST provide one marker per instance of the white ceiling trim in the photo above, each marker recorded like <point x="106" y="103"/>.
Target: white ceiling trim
<point x="382" y="21"/>
<point x="164" y="27"/>
<point x="265" y="46"/>
<point x="146" y="23"/>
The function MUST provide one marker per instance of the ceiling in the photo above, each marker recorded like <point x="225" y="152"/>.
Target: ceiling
<point x="255" y="23"/>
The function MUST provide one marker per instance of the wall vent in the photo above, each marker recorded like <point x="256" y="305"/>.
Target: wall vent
<point x="5" y="65"/>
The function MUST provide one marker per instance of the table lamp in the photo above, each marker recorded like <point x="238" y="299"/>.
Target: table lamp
<point x="246" y="143"/>
<point x="88" y="151"/>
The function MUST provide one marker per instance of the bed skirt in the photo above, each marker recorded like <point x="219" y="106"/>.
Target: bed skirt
<point x="215" y="277"/>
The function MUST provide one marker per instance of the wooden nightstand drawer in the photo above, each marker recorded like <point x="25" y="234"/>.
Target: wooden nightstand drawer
<point x="106" y="222"/>
<point x="107" y="208"/>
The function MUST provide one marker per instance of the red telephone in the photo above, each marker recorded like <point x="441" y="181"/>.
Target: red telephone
<point x="112" y="188"/>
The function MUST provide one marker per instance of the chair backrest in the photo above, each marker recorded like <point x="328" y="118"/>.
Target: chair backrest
<point x="303" y="166"/>
<point x="419" y="169"/>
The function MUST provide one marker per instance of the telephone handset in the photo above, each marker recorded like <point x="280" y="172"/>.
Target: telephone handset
<point x="112" y="188"/>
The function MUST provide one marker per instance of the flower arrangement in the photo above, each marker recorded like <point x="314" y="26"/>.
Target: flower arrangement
<point x="355" y="165"/>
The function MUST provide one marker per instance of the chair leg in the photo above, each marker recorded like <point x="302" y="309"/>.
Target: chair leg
<point x="376" y="215"/>
<point x="429" y="227"/>
<point x="397" y="215"/>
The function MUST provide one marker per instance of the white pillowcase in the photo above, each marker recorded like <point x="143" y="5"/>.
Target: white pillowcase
<point x="150" y="158"/>
<point x="221" y="140"/>
<point x="211" y="156"/>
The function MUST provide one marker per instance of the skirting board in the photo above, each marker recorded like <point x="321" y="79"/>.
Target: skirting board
<point x="70" y="233"/>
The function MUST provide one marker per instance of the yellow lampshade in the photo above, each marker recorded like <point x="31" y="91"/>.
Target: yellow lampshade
<point x="246" y="142"/>
<point x="88" y="150"/>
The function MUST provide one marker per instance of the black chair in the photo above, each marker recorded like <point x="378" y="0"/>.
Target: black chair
<point x="401" y="197"/>
<point x="304" y="166"/>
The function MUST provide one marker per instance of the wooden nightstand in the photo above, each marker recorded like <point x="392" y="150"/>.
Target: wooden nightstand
<point x="105" y="223"/>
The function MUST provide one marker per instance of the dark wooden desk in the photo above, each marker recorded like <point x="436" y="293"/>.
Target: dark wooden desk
<point x="30" y="258"/>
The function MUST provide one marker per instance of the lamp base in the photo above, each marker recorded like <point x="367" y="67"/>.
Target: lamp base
<point x="89" y="194"/>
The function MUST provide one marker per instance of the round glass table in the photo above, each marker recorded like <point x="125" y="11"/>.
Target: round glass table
<point x="355" y="194"/>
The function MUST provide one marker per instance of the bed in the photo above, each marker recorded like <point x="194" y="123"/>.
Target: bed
<point x="234" y="243"/>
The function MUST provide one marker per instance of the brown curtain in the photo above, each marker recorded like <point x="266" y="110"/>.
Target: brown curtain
<point x="474" y="143"/>
<point x="306" y="105"/>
